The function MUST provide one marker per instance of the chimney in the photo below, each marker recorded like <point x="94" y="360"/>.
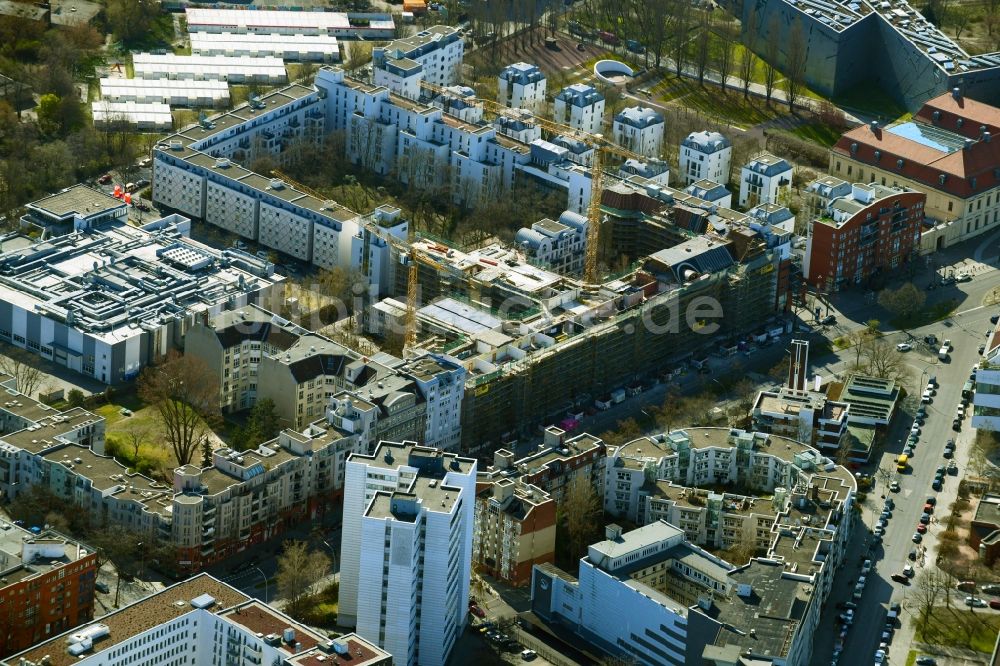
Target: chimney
<point x="968" y="144"/>
<point x="987" y="136"/>
<point x="956" y="93"/>
<point x="874" y="126"/>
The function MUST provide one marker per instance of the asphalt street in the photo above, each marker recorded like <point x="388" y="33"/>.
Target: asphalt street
<point x="967" y="330"/>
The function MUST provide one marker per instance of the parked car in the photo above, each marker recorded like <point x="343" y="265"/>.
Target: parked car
<point x="900" y="578"/>
<point x="992" y="588"/>
<point x="894" y="486"/>
<point x="904" y="347"/>
<point x="477" y="611"/>
<point x="828" y="320"/>
<point x="936" y="485"/>
<point x="102" y="587"/>
<point x="105" y="179"/>
<point x="926" y="661"/>
<point x="908" y="571"/>
<point x="975" y="602"/>
<point x="966" y="586"/>
<point x="921" y="528"/>
<point x="528" y="655"/>
<point x="917" y="537"/>
<point x="995" y="604"/>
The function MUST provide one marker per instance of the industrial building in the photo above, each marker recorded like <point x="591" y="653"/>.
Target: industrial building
<point x="408" y="519"/>
<point x="946" y="151"/>
<point x="293" y="48"/>
<point x="107" y="301"/>
<point x="352" y="25"/>
<point x="76" y="208"/>
<point x="873" y="230"/>
<point x="47" y="586"/>
<point x="206" y="621"/>
<point x="267" y="70"/>
<point x="213" y="94"/>
<point x="870" y="45"/>
<point x="145" y="117"/>
<point x="654" y="595"/>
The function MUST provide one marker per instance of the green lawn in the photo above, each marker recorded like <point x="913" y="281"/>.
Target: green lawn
<point x="974" y="630"/>
<point x="724" y="107"/>
<point x="817" y="133"/>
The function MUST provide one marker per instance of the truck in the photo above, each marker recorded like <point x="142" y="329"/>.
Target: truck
<point x="943" y="354"/>
<point x="901" y="463"/>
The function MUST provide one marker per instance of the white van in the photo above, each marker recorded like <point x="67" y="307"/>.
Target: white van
<point x="943" y="354"/>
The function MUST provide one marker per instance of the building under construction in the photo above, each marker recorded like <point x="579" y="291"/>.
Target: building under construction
<point x="538" y="346"/>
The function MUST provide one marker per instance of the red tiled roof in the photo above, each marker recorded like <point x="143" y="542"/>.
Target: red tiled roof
<point x="974" y="114"/>
<point x="925" y="164"/>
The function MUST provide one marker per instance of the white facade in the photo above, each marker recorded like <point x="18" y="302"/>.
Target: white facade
<point x="438" y="50"/>
<point x="762" y="179"/>
<point x="639" y="129"/>
<point x="581" y="107"/>
<point x="165" y="91"/>
<point x="145" y="116"/>
<point x="705" y="156"/>
<point x="198" y="621"/>
<point x="522" y="86"/>
<point x="558" y="246"/>
<point x="269" y="70"/>
<point x="986" y="400"/>
<point x="300" y="48"/>
<point x="294" y="23"/>
<point x="406" y="550"/>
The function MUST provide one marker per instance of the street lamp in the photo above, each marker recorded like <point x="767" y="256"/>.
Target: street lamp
<point x="261" y="572"/>
<point x="142" y="559"/>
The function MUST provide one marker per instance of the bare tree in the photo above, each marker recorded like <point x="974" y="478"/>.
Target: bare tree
<point x="702" y="47"/>
<point x="771" y="53"/>
<point x="185" y="394"/>
<point x="880" y="359"/>
<point x="680" y="25"/>
<point x="748" y="61"/>
<point x="929" y="588"/>
<point x="299" y="572"/>
<point x="626" y="431"/>
<point x="795" y="64"/>
<point x="19" y="364"/>
<point x="580" y="508"/>
<point x="135" y="436"/>
<point x="725" y="54"/>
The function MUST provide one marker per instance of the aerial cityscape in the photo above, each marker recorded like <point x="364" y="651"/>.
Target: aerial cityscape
<point x="482" y="332"/>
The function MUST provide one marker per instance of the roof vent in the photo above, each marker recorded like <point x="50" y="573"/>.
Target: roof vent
<point x="956" y="93"/>
<point x="899" y="164"/>
<point x="222" y="163"/>
<point x="874" y="126"/>
<point x="987" y="136"/>
<point x="936" y="116"/>
<point x="854" y="147"/>
<point x="968" y="144"/>
<point x="203" y="601"/>
<point x="942" y="178"/>
<point x="277" y="184"/>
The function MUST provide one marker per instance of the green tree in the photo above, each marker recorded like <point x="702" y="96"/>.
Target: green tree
<point x="48" y="112"/>
<point x="904" y="302"/>
<point x="130" y="20"/>
<point x="75" y="398"/>
<point x="262" y="425"/>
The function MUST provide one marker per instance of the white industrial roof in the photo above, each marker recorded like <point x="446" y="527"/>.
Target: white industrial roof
<point x="243" y="19"/>
<point x="152" y="113"/>
<point x="142" y="88"/>
<point x="153" y="66"/>
<point x="278" y="45"/>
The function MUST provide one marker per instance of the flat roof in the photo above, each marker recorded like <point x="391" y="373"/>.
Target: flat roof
<point x="152" y="65"/>
<point x="79" y="199"/>
<point x="258" y="43"/>
<point x="138" y="617"/>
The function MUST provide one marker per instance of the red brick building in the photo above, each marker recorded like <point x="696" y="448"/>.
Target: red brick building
<point x="47" y="586"/>
<point x="856" y="236"/>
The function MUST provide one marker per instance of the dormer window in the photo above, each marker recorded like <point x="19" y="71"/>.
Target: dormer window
<point x="899" y="164"/>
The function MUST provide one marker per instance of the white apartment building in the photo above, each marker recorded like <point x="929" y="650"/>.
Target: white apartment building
<point x="296" y="48"/>
<point x="196" y="171"/>
<point x="639" y="129"/>
<point x="986" y="399"/>
<point x="353" y="25"/>
<point x="406" y="550"/>
<point x="712" y="192"/>
<point x="198" y="621"/>
<point x="268" y="70"/>
<point x="522" y="86"/>
<point x="580" y="106"/>
<point x="556" y="245"/>
<point x="655" y="596"/>
<point x="763" y="179"/>
<point x="705" y="156"/>
<point x="437" y="51"/>
<point x="210" y="93"/>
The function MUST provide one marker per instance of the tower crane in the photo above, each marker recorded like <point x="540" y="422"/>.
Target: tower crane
<point x="601" y="146"/>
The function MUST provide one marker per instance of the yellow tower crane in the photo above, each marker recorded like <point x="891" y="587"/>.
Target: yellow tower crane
<point x="601" y="146"/>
